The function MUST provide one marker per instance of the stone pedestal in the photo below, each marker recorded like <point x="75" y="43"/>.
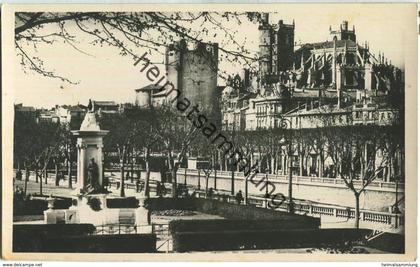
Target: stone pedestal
<point x="142" y="217"/>
<point x="142" y="214"/>
<point x="89" y="147"/>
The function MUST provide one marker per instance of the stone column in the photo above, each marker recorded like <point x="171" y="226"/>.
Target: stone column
<point x="100" y="167"/>
<point x="78" y="166"/>
<point x="339" y="78"/>
<point x="334" y="67"/>
<point x="81" y="183"/>
<point x="368" y="77"/>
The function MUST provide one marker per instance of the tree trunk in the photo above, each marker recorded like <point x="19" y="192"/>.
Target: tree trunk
<point x="45" y="174"/>
<point x="69" y="173"/>
<point x="357" y="210"/>
<point x="57" y="178"/>
<point x="246" y="190"/>
<point x="290" y="180"/>
<point x="40" y="184"/>
<point x="174" y="182"/>
<point x="147" y="178"/>
<point x="207" y="183"/>
<point x="36" y="174"/>
<point x="321" y="165"/>
<point x="232" y="187"/>
<point x="301" y="164"/>
<point x="215" y="179"/>
<point x="132" y="166"/>
<point x="122" y="190"/>
<point x="26" y="179"/>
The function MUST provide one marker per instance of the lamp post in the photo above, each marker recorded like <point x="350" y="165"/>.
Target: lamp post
<point x="290" y="178"/>
<point x="284" y="124"/>
<point x="396" y="209"/>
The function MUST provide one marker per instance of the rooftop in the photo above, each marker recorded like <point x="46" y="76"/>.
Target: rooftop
<point x="325" y="109"/>
<point x="329" y="44"/>
<point x="104" y="103"/>
<point x="150" y="87"/>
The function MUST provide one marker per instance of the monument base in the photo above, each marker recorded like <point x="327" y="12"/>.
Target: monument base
<point x="92" y="209"/>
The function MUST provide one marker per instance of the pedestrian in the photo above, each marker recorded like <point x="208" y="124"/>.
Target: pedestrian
<point x="19" y="175"/>
<point x="239" y="197"/>
<point x="210" y="193"/>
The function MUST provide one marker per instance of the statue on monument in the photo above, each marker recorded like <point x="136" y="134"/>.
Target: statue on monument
<point x="92" y="182"/>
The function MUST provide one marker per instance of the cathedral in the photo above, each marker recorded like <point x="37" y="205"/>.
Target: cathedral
<point x="338" y="72"/>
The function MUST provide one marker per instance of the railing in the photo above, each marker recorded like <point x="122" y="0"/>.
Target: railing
<point x="163" y="236"/>
<point x="115" y="229"/>
<point x="295" y="178"/>
<point x="316" y="210"/>
<point x="272" y="177"/>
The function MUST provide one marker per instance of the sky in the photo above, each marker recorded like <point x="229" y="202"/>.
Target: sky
<point x="105" y="75"/>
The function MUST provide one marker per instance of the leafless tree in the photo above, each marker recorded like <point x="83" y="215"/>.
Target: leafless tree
<point x="176" y="134"/>
<point x="126" y="31"/>
<point x="361" y="154"/>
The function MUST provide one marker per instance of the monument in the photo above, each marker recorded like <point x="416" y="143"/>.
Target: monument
<point x="89" y="156"/>
<point x="89" y="203"/>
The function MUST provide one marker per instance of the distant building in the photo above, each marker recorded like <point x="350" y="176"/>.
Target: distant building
<point x="145" y="95"/>
<point x="338" y="75"/>
<point x="70" y="114"/>
<point x="341" y="63"/>
<point x="28" y="111"/>
<point x="360" y="113"/>
<point x="106" y="107"/>
<point x="48" y="116"/>
<point x="192" y="69"/>
<point x="276" y="47"/>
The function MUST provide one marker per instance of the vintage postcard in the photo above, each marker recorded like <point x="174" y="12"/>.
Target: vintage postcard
<point x="209" y="132"/>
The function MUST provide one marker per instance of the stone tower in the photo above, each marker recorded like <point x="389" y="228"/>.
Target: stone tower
<point x="265" y="47"/>
<point x="285" y="46"/>
<point x="343" y="33"/>
<point x="276" y="48"/>
<point x="192" y="69"/>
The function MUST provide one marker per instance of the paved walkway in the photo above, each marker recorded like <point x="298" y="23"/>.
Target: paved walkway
<point x="62" y="190"/>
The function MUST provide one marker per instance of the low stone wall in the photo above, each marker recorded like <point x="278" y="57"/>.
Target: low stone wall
<point x="248" y="212"/>
<point x="153" y="204"/>
<point x="76" y="238"/>
<point x="229" y="211"/>
<point x="264" y="239"/>
<point x="30" y="237"/>
<point x="37" y="206"/>
<point x="374" y="198"/>
<point x="216" y="225"/>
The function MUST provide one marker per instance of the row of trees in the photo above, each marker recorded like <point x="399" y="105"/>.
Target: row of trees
<point x="142" y="131"/>
<point x="358" y="155"/>
<point x="134" y="132"/>
<point x="38" y="144"/>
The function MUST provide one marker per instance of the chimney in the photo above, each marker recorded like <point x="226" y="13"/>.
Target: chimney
<point x="265" y="18"/>
<point x="344" y="25"/>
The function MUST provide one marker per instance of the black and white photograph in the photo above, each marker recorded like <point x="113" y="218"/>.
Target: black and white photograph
<point x="241" y="130"/>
